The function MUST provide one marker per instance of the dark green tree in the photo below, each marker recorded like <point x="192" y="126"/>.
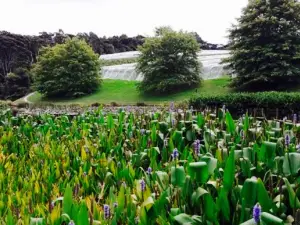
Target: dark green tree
<point x="67" y="70"/>
<point x="265" y="45"/>
<point x="169" y="62"/>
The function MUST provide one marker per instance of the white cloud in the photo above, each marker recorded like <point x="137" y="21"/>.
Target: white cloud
<point x="210" y="18"/>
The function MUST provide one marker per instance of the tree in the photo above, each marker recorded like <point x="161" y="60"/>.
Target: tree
<point x="67" y="70"/>
<point x="169" y="63"/>
<point x="14" y="52"/>
<point x="265" y="45"/>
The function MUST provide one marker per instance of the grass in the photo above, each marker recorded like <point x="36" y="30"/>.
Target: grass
<point x="124" y="92"/>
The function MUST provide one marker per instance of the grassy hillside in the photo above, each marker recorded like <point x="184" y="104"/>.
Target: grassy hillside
<point x="124" y="92"/>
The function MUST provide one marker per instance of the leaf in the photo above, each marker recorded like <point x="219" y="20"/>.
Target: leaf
<point x="83" y="217"/>
<point x="249" y="222"/>
<point x="148" y="203"/>
<point x="199" y="170"/>
<point x="67" y="201"/>
<point x="36" y="221"/>
<point x="9" y="218"/>
<point x="269" y="219"/>
<point x="178" y="176"/>
<point x="291" y="163"/>
<point x="262" y="195"/>
<point x="249" y="192"/>
<point x="223" y="204"/>
<point x="184" y="219"/>
<point x="229" y="171"/>
<point x="230" y="123"/>
<point x="294" y="201"/>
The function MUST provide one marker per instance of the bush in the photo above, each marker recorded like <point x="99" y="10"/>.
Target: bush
<point x="240" y="102"/>
<point x="17" y="84"/>
<point x="67" y="70"/>
<point x="265" y="45"/>
<point x="169" y="63"/>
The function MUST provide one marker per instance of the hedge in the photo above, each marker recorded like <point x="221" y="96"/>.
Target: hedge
<point x="281" y="102"/>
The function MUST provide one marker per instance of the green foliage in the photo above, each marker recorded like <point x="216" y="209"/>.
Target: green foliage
<point x="265" y="45"/>
<point x="17" y="84"/>
<point x="169" y="63"/>
<point x="114" y="62"/>
<point x="67" y="70"/>
<point x="242" y="101"/>
<point x="74" y="165"/>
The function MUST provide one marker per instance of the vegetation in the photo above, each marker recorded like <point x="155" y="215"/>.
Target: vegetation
<point x="67" y="70"/>
<point x="265" y="45"/>
<point x="124" y="92"/>
<point x="169" y="63"/>
<point x="114" y="62"/>
<point x="151" y="167"/>
<point x="288" y="101"/>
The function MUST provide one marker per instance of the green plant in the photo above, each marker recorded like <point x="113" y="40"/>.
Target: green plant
<point x="67" y="70"/>
<point x="265" y="45"/>
<point x="169" y="63"/>
<point x="240" y="102"/>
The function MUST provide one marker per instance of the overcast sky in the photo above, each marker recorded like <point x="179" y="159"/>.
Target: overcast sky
<point x="209" y="18"/>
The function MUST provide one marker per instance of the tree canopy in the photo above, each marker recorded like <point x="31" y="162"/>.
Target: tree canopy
<point x="67" y="70"/>
<point x="169" y="62"/>
<point x="265" y="45"/>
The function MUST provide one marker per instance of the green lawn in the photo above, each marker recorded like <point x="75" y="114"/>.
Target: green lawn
<point x="124" y="92"/>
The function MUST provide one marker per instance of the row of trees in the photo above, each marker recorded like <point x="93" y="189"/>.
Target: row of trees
<point x="19" y="52"/>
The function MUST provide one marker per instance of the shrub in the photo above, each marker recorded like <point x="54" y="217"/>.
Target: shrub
<point x="17" y="84"/>
<point x="169" y="63"/>
<point x="265" y="45"/>
<point x="67" y="70"/>
<point x="240" y="102"/>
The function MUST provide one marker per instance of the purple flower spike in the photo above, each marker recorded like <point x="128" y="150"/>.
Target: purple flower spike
<point x="143" y="185"/>
<point x="106" y="211"/>
<point x="172" y="106"/>
<point x="256" y="213"/>
<point x="287" y="140"/>
<point x="197" y="147"/>
<point x="175" y="154"/>
<point x="149" y="170"/>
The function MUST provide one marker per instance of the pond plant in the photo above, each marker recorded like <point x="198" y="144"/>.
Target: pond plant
<point x="148" y="167"/>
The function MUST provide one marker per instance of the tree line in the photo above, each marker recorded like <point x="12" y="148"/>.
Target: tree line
<point x="19" y="52"/>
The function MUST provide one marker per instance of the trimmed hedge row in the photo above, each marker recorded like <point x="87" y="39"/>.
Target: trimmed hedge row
<point x="284" y="102"/>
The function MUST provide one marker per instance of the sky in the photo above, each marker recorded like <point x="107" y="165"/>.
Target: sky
<point x="209" y="18"/>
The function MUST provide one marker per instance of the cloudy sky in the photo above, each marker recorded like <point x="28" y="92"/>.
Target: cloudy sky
<point x="210" y="18"/>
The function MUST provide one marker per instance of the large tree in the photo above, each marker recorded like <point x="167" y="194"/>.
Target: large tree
<point x="265" y="45"/>
<point x="169" y="62"/>
<point x="67" y="70"/>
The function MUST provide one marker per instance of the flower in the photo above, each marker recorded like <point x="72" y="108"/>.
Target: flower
<point x="175" y="154"/>
<point x="106" y="211"/>
<point x="173" y="122"/>
<point x="256" y="213"/>
<point x="143" y="185"/>
<point x="287" y="139"/>
<point x="149" y="170"/>
<point x="197" y="147"/>
<point x="71" y="223"/>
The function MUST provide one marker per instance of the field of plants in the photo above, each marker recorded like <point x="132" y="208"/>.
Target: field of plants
<point x="148" y="166"/>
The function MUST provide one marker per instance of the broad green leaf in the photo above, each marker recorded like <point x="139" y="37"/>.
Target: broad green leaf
<point x="199" y="171"/>
<point x="9" y="218"/>
<point x="184" y="219"/>
<point x="36" y="221"/>
<point x="291" y="163"/>
<point x="294" y="201"/>
<point x="67" y="201"/>
<point x="229" y="171"/>
<point x="148" y="203"/>
<point x="262" y="195"/>
<point x="178" y="176"/>
<point x="230" y="123"/>
<point x="269" y="219"/>
<point x="83" y="217"/>
<point x="249" y="192"/>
